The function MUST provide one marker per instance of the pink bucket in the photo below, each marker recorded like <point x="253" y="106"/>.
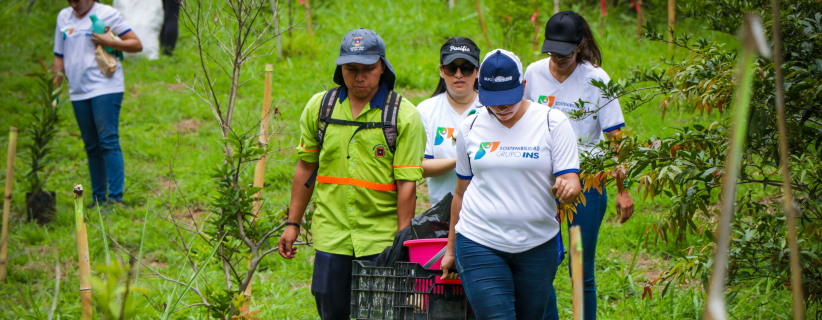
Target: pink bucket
<point x="422" y="250"/>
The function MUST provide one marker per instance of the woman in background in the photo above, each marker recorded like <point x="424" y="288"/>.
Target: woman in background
<point x="559" y="81"/>
<point x="441" y="114"/>
<point x="96" y="98"/>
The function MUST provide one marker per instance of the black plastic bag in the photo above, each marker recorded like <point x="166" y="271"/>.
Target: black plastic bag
<point x="435" y="222"/>
<point x="395" y="252"/>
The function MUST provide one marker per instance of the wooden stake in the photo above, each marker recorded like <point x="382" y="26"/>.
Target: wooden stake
<point x="753" y="39"/>
<point x="639" y="17"/>
<point x="82" y="252"/>
<point x="308" y="16"/>
<point x="535" y="21"/>
<point x="7" y="201"/>
<point x="576" y="272"/>
<point x="787" y="201"/>
<point x="259" y="170"/>
<point x="556" y="6"/>
<point x="451" y="4"/>
<point x="482" y="22"/>
<point x="671" y="24"/>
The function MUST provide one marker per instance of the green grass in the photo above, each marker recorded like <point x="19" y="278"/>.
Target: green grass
<point x="164" y="129"/>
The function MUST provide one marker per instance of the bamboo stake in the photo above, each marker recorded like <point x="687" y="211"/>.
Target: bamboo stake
<point x="82" y="252"/>
<point x="308" y="16"/>
<point x="787" y="201"/>
<point x="259" y="170"/>
<point x="753" y="40"/>
<point x="671" y="24"/>
<point x="451" y="4"/>
<point x="7" y="201"/>
<point x="535" y="21"/>
<point x="576" y="272"/>
<point x="482" y="21"/>
<point x="556" y="6"/>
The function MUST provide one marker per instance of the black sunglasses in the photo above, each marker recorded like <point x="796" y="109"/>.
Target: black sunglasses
<point x="450" y="69"/>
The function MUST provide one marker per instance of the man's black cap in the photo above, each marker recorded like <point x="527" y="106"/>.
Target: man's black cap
<point x="563" y="33"/>
<point x="455" y="51"/>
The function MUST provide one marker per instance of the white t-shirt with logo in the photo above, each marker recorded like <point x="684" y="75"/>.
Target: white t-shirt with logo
<point x="72" y="42"/>
<point x="509" y="205"/>
<point x="541" y="87"/>
<point x="441" y="122"/>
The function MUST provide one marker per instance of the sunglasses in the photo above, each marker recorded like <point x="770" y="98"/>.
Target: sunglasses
<point x="450" y="69"/>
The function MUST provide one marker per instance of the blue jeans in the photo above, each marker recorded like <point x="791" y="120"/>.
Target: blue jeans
<point x="589" y="219"/>
<point x="331" y="284"/>
<point x="502" y="285"/>
<point x="99" y="119"/>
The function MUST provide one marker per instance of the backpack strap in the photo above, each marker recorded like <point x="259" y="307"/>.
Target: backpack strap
<point x="326" y="109"/>
<point x="390" y="112"/>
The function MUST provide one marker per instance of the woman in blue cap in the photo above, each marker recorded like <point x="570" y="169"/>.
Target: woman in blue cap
<point x="455" y="96"/>
<point x="559" y="81"/>
<point x="515" y="158"/>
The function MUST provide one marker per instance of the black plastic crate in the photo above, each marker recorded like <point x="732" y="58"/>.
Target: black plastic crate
<point x="405" y="292"/>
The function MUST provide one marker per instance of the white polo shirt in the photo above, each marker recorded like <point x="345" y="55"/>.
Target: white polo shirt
<point x="509" y="205"/>
<point x="541" y="87"/>
<point x="441" y="121"/>
<point x="72" y="42"/>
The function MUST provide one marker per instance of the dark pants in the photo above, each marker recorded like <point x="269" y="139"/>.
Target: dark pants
<point x="99" y="119"/>
<point x="331" y="284"/>
<point x="506" y="286"/>
<point x="168" y="34"/>
<point x="589" y="219"/>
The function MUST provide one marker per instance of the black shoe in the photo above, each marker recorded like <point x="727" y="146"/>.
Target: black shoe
<point x="95" y="203"/>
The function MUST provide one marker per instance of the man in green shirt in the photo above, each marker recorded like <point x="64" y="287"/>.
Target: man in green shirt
<point x="365" y="155"/>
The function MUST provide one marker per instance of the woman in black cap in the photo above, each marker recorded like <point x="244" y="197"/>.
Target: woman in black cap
<point x="455" y="96"/>
<point x="558" y="81"/>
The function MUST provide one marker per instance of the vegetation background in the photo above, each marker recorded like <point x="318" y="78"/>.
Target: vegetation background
<point x="171" y="145"/>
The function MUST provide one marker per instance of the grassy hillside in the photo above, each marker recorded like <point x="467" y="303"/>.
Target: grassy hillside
<point x="170" y="142"/>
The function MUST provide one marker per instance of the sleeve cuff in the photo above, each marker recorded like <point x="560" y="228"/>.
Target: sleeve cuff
<point x="408" y="173"/>
<point x="614" y="127"/>
<point x="557" y="174"/>
<point x="57" y="54"/>
<point x="124" y="32"/>
<point x="429" y="156"/>
<point x="464" y="177"/>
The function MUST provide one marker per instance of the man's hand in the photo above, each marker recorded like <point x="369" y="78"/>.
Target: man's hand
<point x="286" y="243"/>
<point x="106" y="39"/>
<point x="624" y="206"/>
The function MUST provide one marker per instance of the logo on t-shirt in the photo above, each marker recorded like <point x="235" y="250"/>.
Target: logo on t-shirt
<point x="442" y="134"/>
<point x="486" y="148"/>
<point x="546" y="100"/>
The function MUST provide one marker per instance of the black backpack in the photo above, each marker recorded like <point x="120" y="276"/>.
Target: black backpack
<point x="388" y="124"/>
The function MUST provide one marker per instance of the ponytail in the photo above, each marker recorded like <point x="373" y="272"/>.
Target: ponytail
<point x="589" y="50"/>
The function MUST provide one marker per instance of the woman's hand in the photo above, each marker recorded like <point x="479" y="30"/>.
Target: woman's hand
<point x="448" y="263"/>
<point x="624" y="206"/>
<point x="105" y="39"/>
<point x="567" y="188"/>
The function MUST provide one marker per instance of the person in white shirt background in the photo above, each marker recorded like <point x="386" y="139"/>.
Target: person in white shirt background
<point x="515" y="158"/>
<point x="95" y="97"/>
<point x="455" y="96"/>
<point x="559" y="81"/>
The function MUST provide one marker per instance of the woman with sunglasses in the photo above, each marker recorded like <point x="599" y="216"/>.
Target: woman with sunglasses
<point x="456" y="93"/>
<point x="559" y="81"/>
<point x="514" y="160"/>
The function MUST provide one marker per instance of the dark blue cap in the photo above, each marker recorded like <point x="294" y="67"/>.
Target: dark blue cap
<point x="366" y="47"/>
<point x="500" y="79"/>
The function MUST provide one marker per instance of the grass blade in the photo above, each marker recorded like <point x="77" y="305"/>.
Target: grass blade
<point x="171" y="306"/>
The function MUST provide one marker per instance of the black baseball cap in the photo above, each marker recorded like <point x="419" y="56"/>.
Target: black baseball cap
<point x="366" y="47"/>
<point x="455" y="51"/>
<point x="563" y="33"/>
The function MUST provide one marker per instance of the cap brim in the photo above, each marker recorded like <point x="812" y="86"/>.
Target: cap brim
<point x="501" y="98"/>
<point x="447" y="59"/>
<point x="366" y="59"/>
<point x="563" y="48"/>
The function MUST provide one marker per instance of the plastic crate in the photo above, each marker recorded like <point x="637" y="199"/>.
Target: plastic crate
<point x="405" y="292"/>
